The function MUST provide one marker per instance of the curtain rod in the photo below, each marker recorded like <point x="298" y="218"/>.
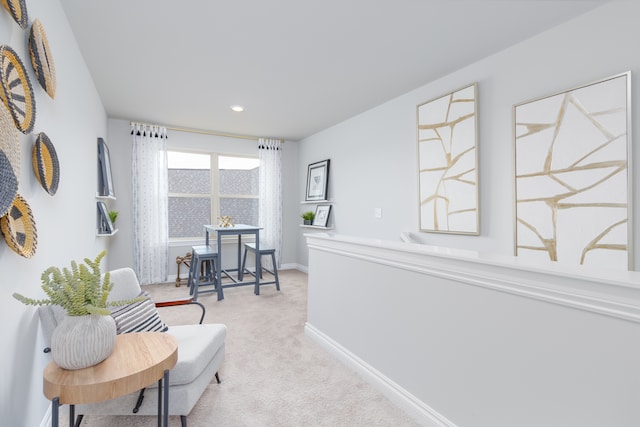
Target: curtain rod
<point x="206" y="132"/>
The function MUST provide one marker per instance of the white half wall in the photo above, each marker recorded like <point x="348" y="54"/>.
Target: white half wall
<point x="457" y="338"/>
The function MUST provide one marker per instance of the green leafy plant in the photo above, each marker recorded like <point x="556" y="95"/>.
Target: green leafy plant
<point x="81" y="290"/>
<point x="113" y="215"/>
<point x="308" y="216"/>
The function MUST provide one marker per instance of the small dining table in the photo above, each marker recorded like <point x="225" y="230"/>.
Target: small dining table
<point x="239" y="230"/>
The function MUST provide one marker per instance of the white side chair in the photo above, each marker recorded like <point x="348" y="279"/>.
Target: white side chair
<point x="201" y="350"/>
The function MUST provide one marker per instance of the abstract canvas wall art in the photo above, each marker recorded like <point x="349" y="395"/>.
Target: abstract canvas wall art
<point x="447" y="163"/>
<point x="572" y="175"/>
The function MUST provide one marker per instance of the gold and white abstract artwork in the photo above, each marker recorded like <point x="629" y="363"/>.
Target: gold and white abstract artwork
<point x="447" y="163"/>
<point x="572" y="175"/>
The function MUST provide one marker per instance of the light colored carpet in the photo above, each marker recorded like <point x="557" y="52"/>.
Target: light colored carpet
<point x="273" y="374"/>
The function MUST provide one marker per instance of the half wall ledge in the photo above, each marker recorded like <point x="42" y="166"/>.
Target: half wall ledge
<point x="609" y="292"/>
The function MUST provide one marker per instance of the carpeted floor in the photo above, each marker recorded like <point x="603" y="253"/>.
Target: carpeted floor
<point x="273" y="374"/>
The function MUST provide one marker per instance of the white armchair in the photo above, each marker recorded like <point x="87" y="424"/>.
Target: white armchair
<point x="201" y="350"/>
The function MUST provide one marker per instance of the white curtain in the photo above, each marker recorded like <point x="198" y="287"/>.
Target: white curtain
<point x="270" y="193"/>
<point x="150" y="203"/>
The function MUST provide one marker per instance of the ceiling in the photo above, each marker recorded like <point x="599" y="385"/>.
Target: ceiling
<point x="297" y="67"/>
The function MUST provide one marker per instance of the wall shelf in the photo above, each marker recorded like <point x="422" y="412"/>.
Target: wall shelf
<point x="105" y="194"/>
<point x="314" y="202"/>
<point x="100" y="196"/>
<point x="316" y="226"/>
<point x="317" y="203"/>
<point x="107" y="234"/>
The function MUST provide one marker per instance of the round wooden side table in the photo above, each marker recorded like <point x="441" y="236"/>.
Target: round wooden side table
<point x="138" y="360"/>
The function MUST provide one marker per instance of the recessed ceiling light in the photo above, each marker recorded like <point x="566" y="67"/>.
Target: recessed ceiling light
<point x="237" y="108"/>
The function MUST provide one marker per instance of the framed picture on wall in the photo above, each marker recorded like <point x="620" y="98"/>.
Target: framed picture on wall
<point x="105" y="181"/>
<point x="448" y="163"/>
<point x="572" y="175"/>
<point x="317" y="181"/>
<point x="321" y="219"/>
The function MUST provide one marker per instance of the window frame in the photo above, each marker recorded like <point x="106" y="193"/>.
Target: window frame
<point x="214" y="195"/>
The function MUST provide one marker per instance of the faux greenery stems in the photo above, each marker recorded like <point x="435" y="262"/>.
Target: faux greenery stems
<point x="82" y="290"/>
<point x="113" y="215"/>
<point x="308" y="216"/>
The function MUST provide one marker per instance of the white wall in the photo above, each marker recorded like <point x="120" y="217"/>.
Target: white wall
<point x="120" y="148"/>
<point x="65" y="223"/>
<point x="373" y="155"/>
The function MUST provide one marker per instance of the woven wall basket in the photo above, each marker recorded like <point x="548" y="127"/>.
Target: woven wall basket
<point x="41" y="58"/>
<point x="19" y="228"/>
<point x="10" y="142"/>
<point x="17" y="92"/>
<point x="18" y="10"/>
<point x="45" y="163"/>
<point x="8" y="184"/>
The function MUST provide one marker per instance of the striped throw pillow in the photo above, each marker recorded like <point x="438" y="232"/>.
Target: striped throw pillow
<point x="141" y="316"/>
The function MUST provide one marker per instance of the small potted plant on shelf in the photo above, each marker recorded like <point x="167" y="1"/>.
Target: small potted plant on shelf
<point x="308" y="217"/>
<point x="86" y="336"/>
<point x="113" y="215"/>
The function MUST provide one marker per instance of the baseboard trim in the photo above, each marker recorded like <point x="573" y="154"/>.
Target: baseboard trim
<point x="289" y="266"/>
<point x="303" y="268"/>
<point x="46" y="421"/>
<point x="418" y="410"/>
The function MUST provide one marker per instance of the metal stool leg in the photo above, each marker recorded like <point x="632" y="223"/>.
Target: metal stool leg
<point x="275" y="269"/>
<point x="244" y="263"/>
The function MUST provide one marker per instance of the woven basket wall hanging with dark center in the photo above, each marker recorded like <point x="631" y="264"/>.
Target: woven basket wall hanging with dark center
<point x="19" y="228"/>
<point x="45" y="163"/>
<point x="17" y="93"/>
<point x="41" y="58"/>
<point x="10" y="141"/>
<point x="18" y="11"/>
<point x="8" y="184"/>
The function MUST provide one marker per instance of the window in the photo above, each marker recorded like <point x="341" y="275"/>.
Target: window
<point x="203" y="186"/>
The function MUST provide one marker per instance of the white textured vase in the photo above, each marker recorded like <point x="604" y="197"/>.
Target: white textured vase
<point x="82" y="341"/>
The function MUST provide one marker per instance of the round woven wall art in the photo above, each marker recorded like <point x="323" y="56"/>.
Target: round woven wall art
<point x="45" y="163"/>
<point x="41" y="58"/>
<point x="8" y="184"/>
<point x="17" y="93"/>
<point x="19" y="228"/>
<point x="18" y="10"/>
<point x="10" y="141"/>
